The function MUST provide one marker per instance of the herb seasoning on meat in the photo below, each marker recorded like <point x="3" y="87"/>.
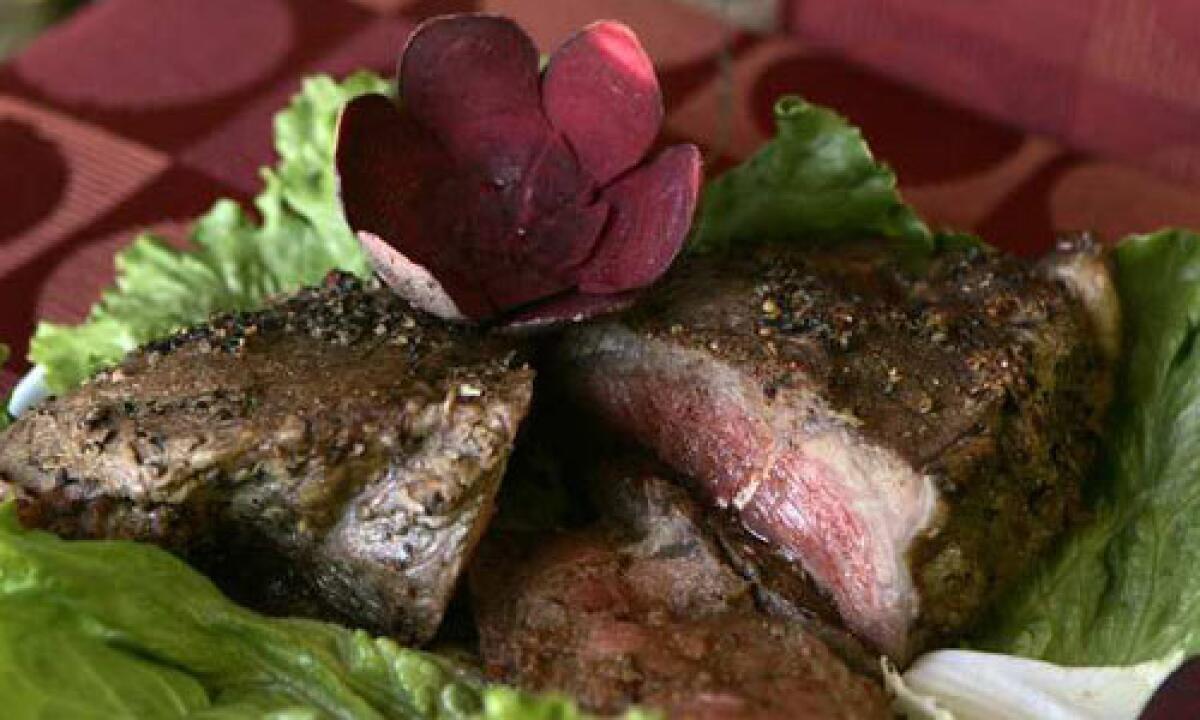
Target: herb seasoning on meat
<point x="336" y="454"/>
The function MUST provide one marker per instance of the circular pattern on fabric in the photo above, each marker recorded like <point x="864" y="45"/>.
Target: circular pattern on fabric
<point x="86" y="270"/>
<point x="1115" y="201"/>
<point x="142" y="61"/>
<point x="688" y="36"/>
<point x="1022" y="224"/>
<point x="33" y="177"/>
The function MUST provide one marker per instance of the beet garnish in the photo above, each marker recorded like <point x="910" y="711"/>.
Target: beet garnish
<point x="491" y="191"/>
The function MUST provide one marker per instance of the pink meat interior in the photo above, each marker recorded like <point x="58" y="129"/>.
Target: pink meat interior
<point x="793" y="471"/>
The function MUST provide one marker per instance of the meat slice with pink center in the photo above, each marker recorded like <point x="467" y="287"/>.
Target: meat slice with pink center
<point x="910" y="442"/>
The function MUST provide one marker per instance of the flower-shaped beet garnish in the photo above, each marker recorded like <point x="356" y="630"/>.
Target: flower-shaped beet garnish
<point x="493" y="191"/>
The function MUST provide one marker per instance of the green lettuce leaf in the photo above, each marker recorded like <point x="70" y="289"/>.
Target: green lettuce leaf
<point x="114" y="630"/>
<point x="816" y="181"/>
<point x="1125" y="588"/>
<point x="4" y="418"/>
<point x="235" y="262"/>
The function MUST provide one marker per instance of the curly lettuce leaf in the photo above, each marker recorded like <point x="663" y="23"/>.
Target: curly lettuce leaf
<point x="816" y="181"/>
<point x="112" y="630"/>
<point x="236" y="262"/>
<point x="1124" y="589"/>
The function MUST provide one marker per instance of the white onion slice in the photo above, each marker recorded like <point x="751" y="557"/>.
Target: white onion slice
<point x="968" y="685"/>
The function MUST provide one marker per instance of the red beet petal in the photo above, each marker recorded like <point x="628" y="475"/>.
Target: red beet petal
<point x="652" y="210"/>
<point x="409" y="280"/>
<point x="393" y="177"/>
<point x="552" y="181"/>
<point x="600" y="91"/>
<point x="472" y="80"/>
<point x="538" y="262"/>
<point x="573" y="307"/>
<point x="562" y="242"/>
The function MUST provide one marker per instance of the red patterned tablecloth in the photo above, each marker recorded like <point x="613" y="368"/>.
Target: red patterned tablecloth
<point x="140" y="113"/>
<point x="1118" y="77"/>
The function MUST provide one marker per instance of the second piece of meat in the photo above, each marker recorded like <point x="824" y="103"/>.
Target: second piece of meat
<point x="642" y="608"/>
<point x="911" y="440"/>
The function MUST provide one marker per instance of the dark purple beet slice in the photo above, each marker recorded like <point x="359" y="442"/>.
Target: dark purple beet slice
<point x="512" y="280"/>
<point x="472" y="80"/>
<point x="392" y="177"/>
<point x="524" y="239"/>
<point x="1178" y="697"/>
<point x="552" y="181"/>
<point x="494" y="250"/>
<point x="652" y="210"/>
<point x="470" y="202"/>
<point x="561" y="242"/>
<point x="411" y="281"/>
<point x="600" y="91"/>
<point x="569" y="308"/>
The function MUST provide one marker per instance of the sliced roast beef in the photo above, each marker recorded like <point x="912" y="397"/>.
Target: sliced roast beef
<point x="910" y="437"/>
<point x="336" y="454"/>
<point x="642" y="608"/>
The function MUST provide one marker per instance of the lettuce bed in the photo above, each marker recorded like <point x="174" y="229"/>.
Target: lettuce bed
<point x="110" y="630"/>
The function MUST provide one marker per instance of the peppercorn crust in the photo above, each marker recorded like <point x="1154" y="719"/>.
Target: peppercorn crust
<point x="334" y="455"/>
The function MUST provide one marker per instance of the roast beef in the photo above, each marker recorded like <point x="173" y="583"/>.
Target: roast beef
<point x="641" y="607"/>
<point x="336" y="454"/>
<point x="910" y="433"/>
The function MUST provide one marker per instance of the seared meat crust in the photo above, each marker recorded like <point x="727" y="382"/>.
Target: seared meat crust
<point x="336" y="454"/>
<point x="911" y="440"/>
